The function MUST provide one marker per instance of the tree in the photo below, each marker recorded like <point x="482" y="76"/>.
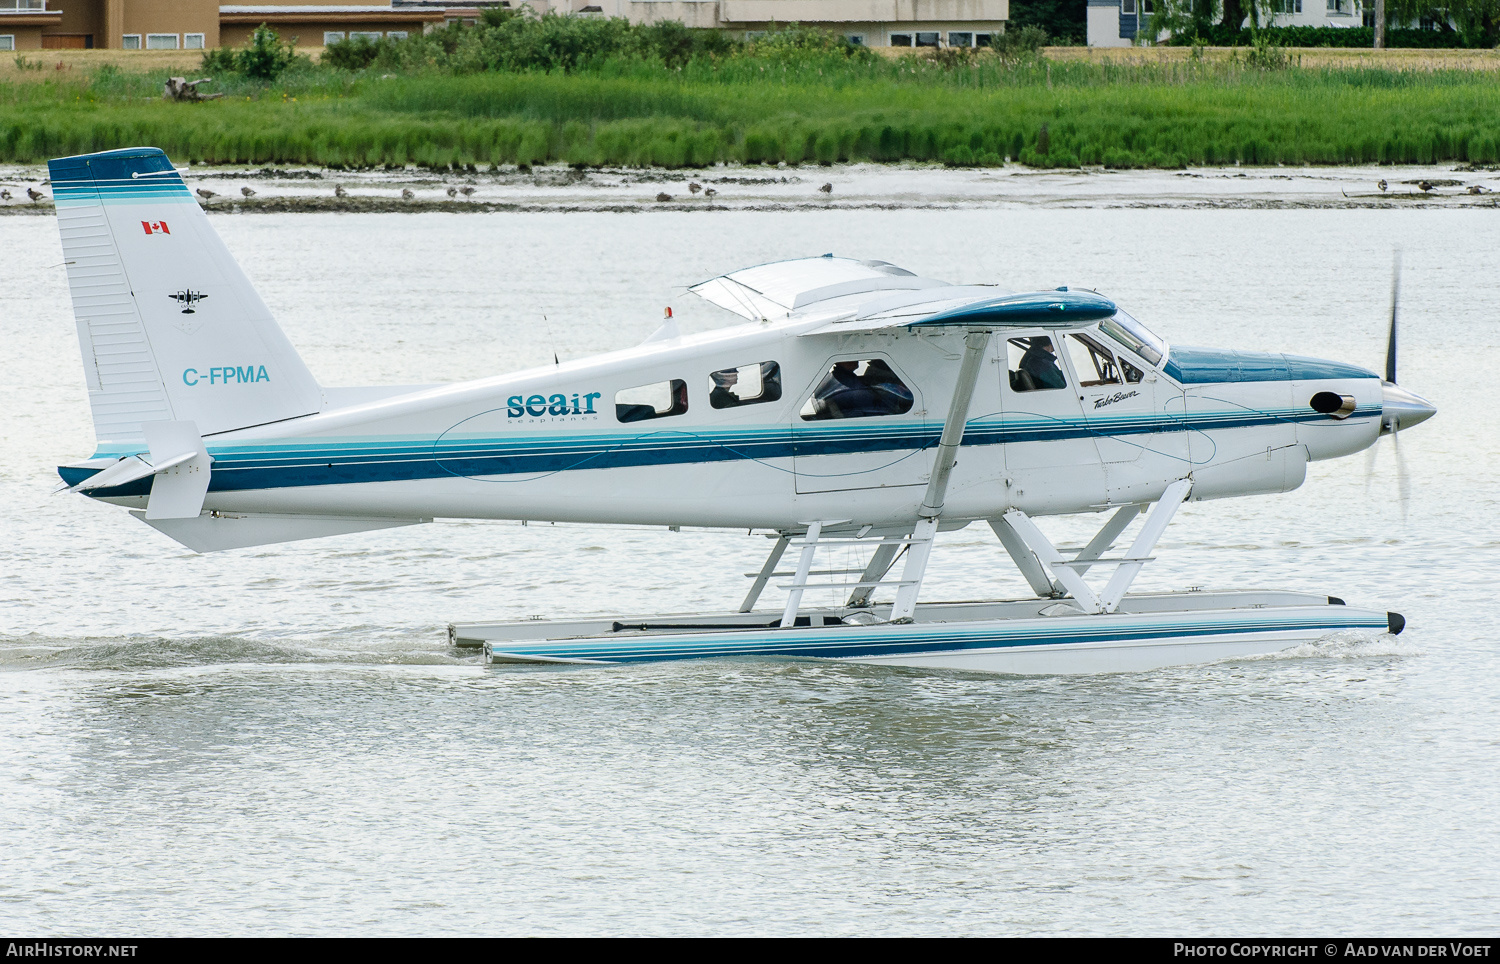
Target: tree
<point x="1066" y="21"/>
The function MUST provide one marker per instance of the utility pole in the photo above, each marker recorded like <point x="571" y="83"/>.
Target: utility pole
<point x="1379" y="24"/>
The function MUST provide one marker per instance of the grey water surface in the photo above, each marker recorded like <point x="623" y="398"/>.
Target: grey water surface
<point x="279" y="741"/>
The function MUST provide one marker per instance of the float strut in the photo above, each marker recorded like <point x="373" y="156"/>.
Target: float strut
<point x="1068" y="573"/>
<point x="764" y="576"/>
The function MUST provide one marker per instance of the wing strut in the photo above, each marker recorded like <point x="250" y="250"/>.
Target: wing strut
<point x="975" y="343"/>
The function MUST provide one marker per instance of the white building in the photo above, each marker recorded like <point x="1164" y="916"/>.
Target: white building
<point x="1116" y="23"/>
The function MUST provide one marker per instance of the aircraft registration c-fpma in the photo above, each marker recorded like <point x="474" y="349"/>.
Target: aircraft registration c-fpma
<point x="855" y="404"/>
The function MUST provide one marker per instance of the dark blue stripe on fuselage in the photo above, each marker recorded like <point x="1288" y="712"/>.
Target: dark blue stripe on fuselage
<point x="342" y="464"/>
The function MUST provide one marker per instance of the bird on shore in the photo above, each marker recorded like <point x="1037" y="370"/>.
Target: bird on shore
<point x="453" y="192"/>
<point x="247" y="191"/>
<point x="206" y="194"/>
<point x="1478" y="189"/>
<point x="1380" y="184"/>
<point x="407" y="194"/>
<point x="694" y="186"/>
<point x="466" y="191"/>
<point x="710" y="192"/>
<point x="827" y="188"/>
<point x="34" y="194"/>
<point x="663" y="196"/>
<point x="1425" y="185"/>
<point x="338" y="191"/>
<point x="4" y="195"/>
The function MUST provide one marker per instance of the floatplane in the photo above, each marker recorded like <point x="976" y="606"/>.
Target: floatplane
<point x="856" y="404"/>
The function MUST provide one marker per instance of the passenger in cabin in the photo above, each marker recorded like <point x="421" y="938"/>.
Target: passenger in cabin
<point x="723" y="394"/>
<point x="1040" y="364"/>
<point x="893" y="397"/>
<point x="858" y="389"/>
<point x="843" y="394"/>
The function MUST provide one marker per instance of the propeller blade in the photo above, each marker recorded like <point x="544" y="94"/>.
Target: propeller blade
<point x="1403" y="478"/>
<point x="1390" y="345"/>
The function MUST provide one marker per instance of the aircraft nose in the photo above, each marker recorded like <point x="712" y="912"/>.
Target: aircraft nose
<point x="1402" y="409"/>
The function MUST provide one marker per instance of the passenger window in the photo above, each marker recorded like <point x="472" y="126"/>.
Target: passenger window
<point x="1033" y="365"/>
<point x="660" y="400"/>
<point x="1092" y="363"/>
<point x="746" y="385"/>
<point x="858" y="389"/>
<point x="1132" y="374"/>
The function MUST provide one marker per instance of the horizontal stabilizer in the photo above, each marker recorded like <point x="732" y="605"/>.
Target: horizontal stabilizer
<point x="122" y="472"/>
<point x="214" y="531"/>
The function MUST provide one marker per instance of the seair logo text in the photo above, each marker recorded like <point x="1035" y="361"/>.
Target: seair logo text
<point x="538" y="406"/>
<point x="226" y="375"/>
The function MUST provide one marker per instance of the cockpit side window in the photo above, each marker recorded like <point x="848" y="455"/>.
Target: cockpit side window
<point x="1033" y="365"/>
<point x="1092" y="362"/>
<point x="745" y="385"/>
<point x="858" y="389"/>
<point x="658" y="400"/>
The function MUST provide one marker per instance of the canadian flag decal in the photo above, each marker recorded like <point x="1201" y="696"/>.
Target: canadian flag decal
<point x="155" y="227"/>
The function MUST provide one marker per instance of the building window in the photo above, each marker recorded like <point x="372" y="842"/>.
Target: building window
<point x="371" y="35"/>
<point x="192" y="41"/>
<point x="7" y="41"/>
<point x="161" y="41"/>
<point x="981" y="40"/>
<point x="857" y="39"/>
<point x="1147" y="8"/>
<point x="1127" y="7"/>
<point x="131" y="41"/>
<point x="332" y="37"/>
<point x="960" y="39"/>
<point x="396" y="34"/>
<point x="927" y="39"/>
<point x="1339" y="7"/>
<point x="900" y="40"/>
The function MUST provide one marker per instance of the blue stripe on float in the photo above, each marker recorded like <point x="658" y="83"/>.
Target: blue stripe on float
<point x="844" y="641"/>
<point x="284" y="464"/>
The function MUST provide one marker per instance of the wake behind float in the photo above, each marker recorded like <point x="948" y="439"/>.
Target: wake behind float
<point x="856" y="405"/>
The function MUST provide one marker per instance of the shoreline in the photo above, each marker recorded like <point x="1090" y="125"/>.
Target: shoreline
<point x="561" y="189"/>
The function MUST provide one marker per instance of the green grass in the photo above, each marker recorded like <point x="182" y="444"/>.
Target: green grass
<point x="817" y="109"/>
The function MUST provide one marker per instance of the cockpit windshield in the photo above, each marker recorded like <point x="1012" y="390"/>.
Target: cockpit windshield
<point x="1135" y="336"/>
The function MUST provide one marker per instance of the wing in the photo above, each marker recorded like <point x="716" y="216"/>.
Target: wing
<point x="973" y="307"/>
<point x="875" y="295"/>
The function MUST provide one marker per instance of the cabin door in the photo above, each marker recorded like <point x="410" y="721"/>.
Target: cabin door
<point x="1051" y="460"/>
<point x="862" y="425"/>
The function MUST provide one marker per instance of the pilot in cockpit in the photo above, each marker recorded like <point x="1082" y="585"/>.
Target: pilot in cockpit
<point x="1040" y="362"/>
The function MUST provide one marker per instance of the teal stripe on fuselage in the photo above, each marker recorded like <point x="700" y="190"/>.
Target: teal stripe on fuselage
<point x="292" y="463"/>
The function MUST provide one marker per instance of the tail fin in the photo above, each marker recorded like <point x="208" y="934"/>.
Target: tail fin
<point x="169" y="326"/>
